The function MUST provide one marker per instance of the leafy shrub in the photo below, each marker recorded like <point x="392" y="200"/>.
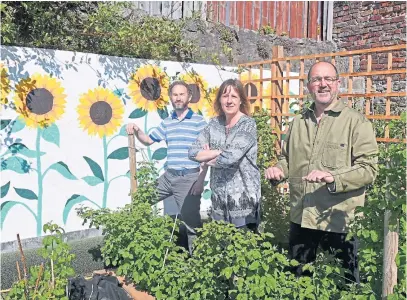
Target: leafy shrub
<point x="49" y="283"/>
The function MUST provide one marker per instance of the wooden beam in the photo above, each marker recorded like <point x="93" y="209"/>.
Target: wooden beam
<point x="368" y="84"/>
<point x="392" y="94"/>
<point x="343" y="53"/>
<point x="132" y="163"/>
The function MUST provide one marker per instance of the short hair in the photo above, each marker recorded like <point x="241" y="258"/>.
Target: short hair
<point x="179" y="82"/>
<point x="310" y="69"/>
<point x="238" y="86"/>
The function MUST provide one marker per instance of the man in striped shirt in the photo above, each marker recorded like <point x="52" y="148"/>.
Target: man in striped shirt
<point x="183" y="178"/>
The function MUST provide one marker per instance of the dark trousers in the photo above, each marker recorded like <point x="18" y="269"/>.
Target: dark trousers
<point x="304" y="243"/>
<point x="188" y="205"/>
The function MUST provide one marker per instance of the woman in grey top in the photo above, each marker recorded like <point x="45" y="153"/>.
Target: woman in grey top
<point x="229" y="145"/>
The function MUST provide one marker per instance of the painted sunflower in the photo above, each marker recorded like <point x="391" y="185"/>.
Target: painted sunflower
<point x="100" y="112"/>
<point x="252" y="88"/>
<point x="198" y="86"/>
<point x="5" y="84"/>
<point x="209" y="107"/>
<point x="40" y="100"/>
<point x="149" y="88"/>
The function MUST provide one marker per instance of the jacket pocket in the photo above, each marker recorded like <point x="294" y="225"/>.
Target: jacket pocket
<point x="334" y="155"/>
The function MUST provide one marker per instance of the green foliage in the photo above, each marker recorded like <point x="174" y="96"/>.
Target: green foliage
<point x="49" y="280"/>
<point x="109" y="28"/>
<point x="135" y="237"/>
<point x="275" y="206"/>
<point x="384" y="195"/>
<point x="267" y="29"/>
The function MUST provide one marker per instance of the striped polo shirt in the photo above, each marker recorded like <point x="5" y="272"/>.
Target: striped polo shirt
<point x="179" y="136"/>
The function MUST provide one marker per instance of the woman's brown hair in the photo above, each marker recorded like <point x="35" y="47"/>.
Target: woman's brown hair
<point x="238" y="87"/>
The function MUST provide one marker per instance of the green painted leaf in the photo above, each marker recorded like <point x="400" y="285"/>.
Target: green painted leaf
<point x="51" y="134"/>
<point x="118" y="92"/>
<point x="92" y="180"/>
<point x="26" y="193"/>
<point x="4" y="123"/>
<point x="4" y="189"/>
<point x="95" y="168"/>
<point x="23" y="150"/>
<point x="120" y="154"/>
<point x="160" y="154"/>
<point x="207" y="194"/>
<point x="137" y="113"/>
<point x="123" y="131"/>
<point x="63" y="169"/>
<point x="75" y="199"/>
<point x="18" y="125"/>
<point x="4" y="208"/>
<point x="163" y="113"/>
<point x="16" y="164"/>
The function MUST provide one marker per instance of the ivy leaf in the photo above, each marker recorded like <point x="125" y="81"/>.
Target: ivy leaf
<point x="92" y="180"/>
<point x="254" y="265"/>
<point x="374" y="236"/>
<point x="228" y="272"/>
<point x="95" y="168"/>
<point x="63" y="169"/>
<point x="4" y="189"/>
<point x="137" y="113"/>
<point x="51" y="134"/>
<point x="26" y="193"/>
<point x="120" y="154"/>
<point x="160" y="154"/>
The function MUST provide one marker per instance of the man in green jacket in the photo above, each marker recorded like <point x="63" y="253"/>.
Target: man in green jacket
<point x="329" y="156"/>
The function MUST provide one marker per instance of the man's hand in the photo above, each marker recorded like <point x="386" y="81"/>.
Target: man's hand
<point x="132" y="128"/>
<point x="197" y="188"/>
<point x="319" y="176"/>
<point x="274" y="173"/>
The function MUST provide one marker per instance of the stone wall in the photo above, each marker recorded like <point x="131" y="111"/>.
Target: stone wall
<point x="370" y="24"/>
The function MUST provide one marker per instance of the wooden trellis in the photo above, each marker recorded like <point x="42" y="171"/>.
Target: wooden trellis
<point x="371" y="64"/>
<point x="377" y="66"/>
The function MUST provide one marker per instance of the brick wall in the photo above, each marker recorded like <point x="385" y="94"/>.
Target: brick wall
<point x="370" y="24"/>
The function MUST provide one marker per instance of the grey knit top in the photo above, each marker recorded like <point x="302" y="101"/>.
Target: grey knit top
<point x="235" y="178"/>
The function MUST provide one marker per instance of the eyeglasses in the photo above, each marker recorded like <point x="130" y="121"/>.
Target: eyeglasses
<point x="318" y="79"/>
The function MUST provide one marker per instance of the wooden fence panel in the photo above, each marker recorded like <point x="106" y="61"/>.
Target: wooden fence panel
<point x="362" y="100"/>
<point x="297" y="19"/>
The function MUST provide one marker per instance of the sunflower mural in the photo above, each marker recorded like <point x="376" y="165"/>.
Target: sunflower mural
<point x="40" y="102"/>
<point x="199" y="87"/>
<point x="100" y="114"/>
<point x="149" y="88"/>
<point x="5" y="84"/>
<point x="209" y="107"/>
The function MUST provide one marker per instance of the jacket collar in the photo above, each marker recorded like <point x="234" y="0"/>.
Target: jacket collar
<point x="337" y="107"/>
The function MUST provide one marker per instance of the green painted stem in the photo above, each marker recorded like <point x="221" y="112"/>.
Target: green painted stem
<point x="40" y="185"/>
<point x="105" y="165"/>
<point x="145" y="130"/>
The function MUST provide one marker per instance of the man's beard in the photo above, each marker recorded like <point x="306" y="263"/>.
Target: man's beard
<point x="180" y="106"/>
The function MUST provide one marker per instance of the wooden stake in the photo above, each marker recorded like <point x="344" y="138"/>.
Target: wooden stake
<point x="132" y="162"/>
<point x="18" y="270"/>
<point x="24" y="267"/>
<point x="391" y="239"/>
<point x="38" y="278"/>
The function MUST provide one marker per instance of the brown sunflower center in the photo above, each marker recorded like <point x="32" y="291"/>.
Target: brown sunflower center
<point x="101" y="112"/>
<point x="39" y="101"/>
<point x="196" y="93"/>
<point x="150" y="88"/>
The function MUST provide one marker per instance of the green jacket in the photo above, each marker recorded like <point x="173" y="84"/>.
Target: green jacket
<point x="343" y="144"/>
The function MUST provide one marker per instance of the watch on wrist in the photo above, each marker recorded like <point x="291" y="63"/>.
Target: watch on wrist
<point x="331" y="187"/>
